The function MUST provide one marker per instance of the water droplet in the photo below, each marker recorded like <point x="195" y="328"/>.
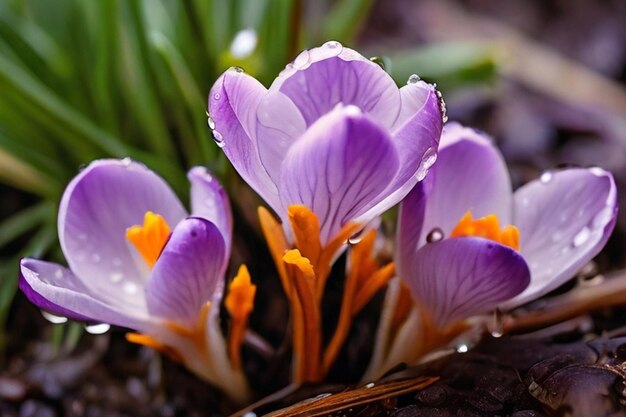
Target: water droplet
<point x="462" y="348"/>
<point x="352" y="110"/>
<point x="218" y="138"/>
<point x="243" y="43"/>
<point x="370" y="385"/>
<point x="428" y="159"/>
<point x="239" y="70"/>
<point x="356" y="238"/>
<point x="378" y="61"/>
<point x="210" y="122"/>
<point x="53" y="318"/>
<point x="603" y="217"/>
<point x="117" y="276"/>
<point x="413" y="79"/>
<point x="332" y="45"/>
<point x="435" y="235"/>
<point x="216" y="96"/>
<point x="95" y="257"/>
<point x="127" y="161"/>
<point x="250" y="414"/>
<point x="597" y="171"/>
<point x="581" y="237"/>
<point x="497" y="326"/>
<point x="546" y="177"/>
<point x="100" y="328"/>
<point x="58" y="274"/>
<point x="131" y="288"/>
<point x="301" y="60"/>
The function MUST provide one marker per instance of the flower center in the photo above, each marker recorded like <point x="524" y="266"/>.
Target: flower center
<point x="150" y="238"/>
<point x="487" y="227"/>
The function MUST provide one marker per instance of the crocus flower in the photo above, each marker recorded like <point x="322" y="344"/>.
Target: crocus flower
<point x="458" y="260"/>
<point x="138" y="260"/>
<point x="333" y="133"/>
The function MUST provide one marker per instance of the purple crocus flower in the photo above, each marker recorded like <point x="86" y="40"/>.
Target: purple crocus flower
<point x="333" y="133"/>
<point x="562" y="221"/>
<point x="127" y="269"/>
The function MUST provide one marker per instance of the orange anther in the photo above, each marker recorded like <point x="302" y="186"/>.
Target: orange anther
<point x="239" y="303"/>
<point x="487" y="227"/>
<point x="150" y="238"/>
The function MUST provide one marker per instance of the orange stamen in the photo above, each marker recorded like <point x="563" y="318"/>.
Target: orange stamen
<point x="487" y="227"/>
<point x="150" y="238"/>
<point x="302" y="274"/>
<point x="277" y="244"/>
<point x="149" y="341"/>
<point x="239" y="303"/>
<point x="306" y="230"/>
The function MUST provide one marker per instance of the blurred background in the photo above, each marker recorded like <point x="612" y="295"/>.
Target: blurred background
<point x="82" y="79"/>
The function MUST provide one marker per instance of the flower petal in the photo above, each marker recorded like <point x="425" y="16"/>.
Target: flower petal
<point x="210" y="201"/>
<point x="461" y="277"/>
<point x="410" y="221"/>
<point x="97" y="207"/>
<point x="56" y="289"/>
<point x="189" y="272"/>
<point x="320" y="78"/>
<point x="416" y="141"/>
<point x="338" y="168"/>
<point x="564" y="219"/>
<point x="470" y="174"/>
<point x="233" y="103"/>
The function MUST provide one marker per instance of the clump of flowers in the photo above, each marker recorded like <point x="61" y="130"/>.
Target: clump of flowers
<point x="330" y="146"/>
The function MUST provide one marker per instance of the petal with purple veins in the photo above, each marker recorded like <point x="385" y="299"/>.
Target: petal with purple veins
<point x="470" y="174"/>
<point x="189" y="272"/>
<point x="461" y="277"/>
<point x="339" y="168"/>
<point x="564" y="219"/>
<point x="98" y="205"/>
<point x="57" y="290"/>
<point x="210" y="201"/>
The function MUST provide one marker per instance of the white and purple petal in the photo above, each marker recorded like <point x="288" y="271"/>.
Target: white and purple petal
<point x="57" y="290"/>
<point x="189" y="272"/>
<point x="339" y="168"/>
<point x="564" y="219"/>
<point x="457" y="278"/>
<point x="469" y="175"/>
<point x="98" y="205"/>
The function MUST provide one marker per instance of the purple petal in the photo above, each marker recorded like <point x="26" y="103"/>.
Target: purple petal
<point x="462" y="277"/>
<point x="470" y="174"/>
<point x="56" y="289"/>
<point x="189" y="272"/>
<point x="338" y="168"/>
<point x="410" y="221"/>
<point x="416" y="140"/>
<point x="233" y="103"/>
<point x="210" y="201"/>
<point x="97" y="207"/>
<point x="320" y="78"/>
<point x="565" y="219"/>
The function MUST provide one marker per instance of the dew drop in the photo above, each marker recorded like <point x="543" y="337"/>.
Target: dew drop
<point x="378" y="61"/>
<point x="210" y="122"/>
<point x="497" y="326"/>
<point x="95" y="257"/>
<point x="216" y="96"/>
<point x="370" y="385"/>
<point x="218" y="138"/>
<point x="462" y="348"/>
<point x="58" y="274"/>
<point x="603" y="217"/>
<point x="413" y="79"/>
<point x="250" y="414"/>
<point x="131" y="288"/>
<point x="116" y="276"/>
<point x="301" y="60"/>
<point x="332" y="45"/>
<point x="428" y="159"/>
<point x="127" y="161"/>
<point x="239" y="70"/>
<point x="53" y="318"/>
<point x="100" y="328"/>
<point x="581" y="237"/>
<point x="356" y="238"/>
<point x="434" y="235"/>
<point x="546" y="177"/>
<point x="597" y="171"/>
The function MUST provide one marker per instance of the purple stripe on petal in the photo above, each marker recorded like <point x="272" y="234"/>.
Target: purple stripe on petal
<point x="470" y="174"/>
<point x="462" y="277"/>
<point x="339" y="167"/>
<point x="233" y="103"/>
<point x="410" y="221"/>
<point x="320" y="78"/>
<point x="98" y="205"/>
<point x="565" y="219"/>
<point x="54" y="288"/>
<point x="210" y="201"/>
<point x="189" y="272"/>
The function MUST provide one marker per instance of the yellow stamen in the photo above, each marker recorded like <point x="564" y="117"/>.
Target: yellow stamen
<point x="150" y="238"/>
<point x="239" y="304"/>
<point x="306" y="230"/>
<point x="487" y="227"/>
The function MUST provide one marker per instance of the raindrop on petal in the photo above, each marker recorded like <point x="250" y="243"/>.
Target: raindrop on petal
<point x="131" y="288"/>
<point x="581" y="237"/>
<point x="58" y="274"/>
<point x="603" y="217"/>
<point x="216" y="96"/>
<point x="413" y="79"/>
<point x="100" y="328"/>
<point x="332" y="45"/>
<point x="239" y="70"/>
<point x="301" y="60"/>
<point x="428" y="159"/>
<point x="378" y="61"/>
<point x="435" y="235"/>
<point x="462" y="348"/>
<point x="52" y="318"/>
<point x="497" y="326"/>
<point x="95" y="257"/>
<point x="210" y="122"/>
<point x="370" y="385"/>
<point x="127" y="161"/>
<point x="116" y="276"/>
<point x="546" y="177"/>
<point x="218" y="138"/>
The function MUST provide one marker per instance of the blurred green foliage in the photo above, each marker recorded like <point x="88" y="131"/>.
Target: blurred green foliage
<point x="87" y="79"/>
